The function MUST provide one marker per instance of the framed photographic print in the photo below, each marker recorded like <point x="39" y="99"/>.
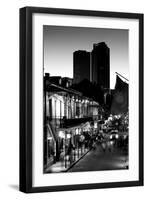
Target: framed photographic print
<point x="81" y="99"/>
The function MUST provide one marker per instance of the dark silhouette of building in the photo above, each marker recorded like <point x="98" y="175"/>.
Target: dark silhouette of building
<point x="81" y="65"/>
<point x="120" y="97"/>
<point x="67" y="82"/>
<point x="58" y="80"/>
<point x="55" y="79"/>
<point x="100" y="68"/>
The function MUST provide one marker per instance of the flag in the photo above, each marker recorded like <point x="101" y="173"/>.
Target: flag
<point x="120" y="97"/>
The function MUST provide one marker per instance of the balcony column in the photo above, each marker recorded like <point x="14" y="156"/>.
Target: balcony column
<point x="70" y="108"/>
<point x="68" y="101"/>
<point x="74" y="142"/>
<point x="79" y="108"/>
<point x="55" y="112"/>
<point x="65" y="108"/>
<point x="78" y="144"/>
<point x="81" y="114"/>
<point x="60" y="112"/>
<point x="92" y="109"/>
<point x="65" y="150"/>
<point x="87" y="108"/>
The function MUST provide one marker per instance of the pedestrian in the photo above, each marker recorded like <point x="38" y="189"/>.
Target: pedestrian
<point x="102" y="142"/>
<point x="69" y="151"/>
<point x="99" y="138"/>
<point x="103" y="145"/>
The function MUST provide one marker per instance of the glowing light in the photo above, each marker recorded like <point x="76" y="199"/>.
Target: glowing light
<point x="125" y="136"/>
<point x="49" y="138"/>
<point x="111" y="136"/>
<point x="95" y="125"/>
<point x="116" y="136"/>
<point x="86" y="101"/>
<point x="111" y="142"/>
<point x="68" y="136"/>
<point x="61" y="134"/>
<point x="77" y="132"/>
<point x="110" y="118"/>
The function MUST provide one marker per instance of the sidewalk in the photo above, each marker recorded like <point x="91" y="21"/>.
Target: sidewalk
<point x="97" y="159"/>
<point x="64" y="164"/>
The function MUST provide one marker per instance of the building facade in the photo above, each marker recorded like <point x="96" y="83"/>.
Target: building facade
<point x="81" y="66"/>
<point x="93" y="66"/>
<point x="101" y="65"/>
<point x="70" y="120"/>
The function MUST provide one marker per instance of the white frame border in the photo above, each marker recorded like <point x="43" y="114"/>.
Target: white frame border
<point x="132" y="174"/>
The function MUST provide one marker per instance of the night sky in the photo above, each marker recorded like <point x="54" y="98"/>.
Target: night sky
<point x="60" y="42"/>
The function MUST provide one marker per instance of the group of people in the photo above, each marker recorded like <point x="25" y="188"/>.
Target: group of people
<point x="105" y="142"/>
<point x="91" y="141"/>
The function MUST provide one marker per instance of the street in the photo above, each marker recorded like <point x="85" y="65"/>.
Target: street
<point x="97" y="159"/>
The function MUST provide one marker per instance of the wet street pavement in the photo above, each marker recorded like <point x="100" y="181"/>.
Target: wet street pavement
<point x="97" y="159"/>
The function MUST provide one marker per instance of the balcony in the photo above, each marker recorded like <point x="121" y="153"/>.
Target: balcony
<point x="67" y="123"/>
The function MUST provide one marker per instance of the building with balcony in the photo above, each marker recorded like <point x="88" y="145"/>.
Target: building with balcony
<point x="70" y="121"/>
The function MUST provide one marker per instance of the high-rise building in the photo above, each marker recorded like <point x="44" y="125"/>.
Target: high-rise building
<point x="100" y="68"/>
<point x="81" y="65"/>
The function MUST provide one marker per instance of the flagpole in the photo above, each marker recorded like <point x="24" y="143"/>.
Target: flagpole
<point x="121" y="76"/>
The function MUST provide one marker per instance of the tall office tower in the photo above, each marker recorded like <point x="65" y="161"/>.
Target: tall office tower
<point x="81" y="65"/>
<point x="101" y="64"/>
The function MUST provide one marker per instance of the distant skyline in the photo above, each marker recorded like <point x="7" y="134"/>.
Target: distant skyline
<point x="60" y="42"/>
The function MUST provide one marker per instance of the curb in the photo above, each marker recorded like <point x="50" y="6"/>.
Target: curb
<point x="77" y="161"/>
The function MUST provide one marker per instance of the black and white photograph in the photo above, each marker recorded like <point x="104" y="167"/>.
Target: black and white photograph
<point x="81" y="99"/>
<point x="85" y="99"/>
